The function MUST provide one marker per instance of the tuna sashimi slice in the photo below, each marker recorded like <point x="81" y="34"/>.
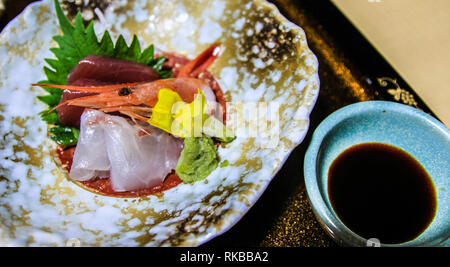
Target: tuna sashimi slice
<point x="111" y="70"/>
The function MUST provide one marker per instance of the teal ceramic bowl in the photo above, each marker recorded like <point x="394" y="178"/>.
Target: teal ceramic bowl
<point x="417" y="133"/>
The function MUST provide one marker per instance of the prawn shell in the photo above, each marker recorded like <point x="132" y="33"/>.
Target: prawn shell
<point x="95" y="70"/>
<point x="70" y="115"/>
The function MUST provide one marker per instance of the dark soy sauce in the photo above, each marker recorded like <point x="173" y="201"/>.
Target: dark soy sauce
<point x="380" y="191"/>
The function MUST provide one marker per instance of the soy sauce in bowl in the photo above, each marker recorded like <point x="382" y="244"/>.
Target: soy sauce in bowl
<point x="380" y="191"/>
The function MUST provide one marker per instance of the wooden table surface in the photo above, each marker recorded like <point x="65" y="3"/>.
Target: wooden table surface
<point x="414" y="37"/>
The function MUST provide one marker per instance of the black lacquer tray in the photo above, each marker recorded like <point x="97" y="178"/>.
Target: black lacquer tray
<point x="350" y="71"/>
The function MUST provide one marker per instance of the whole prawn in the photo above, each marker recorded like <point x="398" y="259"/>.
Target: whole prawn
<point x="137" y="99"/>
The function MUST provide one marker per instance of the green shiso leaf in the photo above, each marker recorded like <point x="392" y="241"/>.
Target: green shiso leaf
<point x="76" y="43"/>
<point x="65" y="136"/>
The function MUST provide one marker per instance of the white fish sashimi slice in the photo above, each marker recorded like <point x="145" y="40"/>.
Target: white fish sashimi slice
<point x="170" y="148"/>
<point x="90" y="158"/>
<point x="139" y="159"/>
<point x="136" y="161"/>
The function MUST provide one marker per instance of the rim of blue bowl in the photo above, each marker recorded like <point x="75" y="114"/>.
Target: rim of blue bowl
<point x="342" y="234"/>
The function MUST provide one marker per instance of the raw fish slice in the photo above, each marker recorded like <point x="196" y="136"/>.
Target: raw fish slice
<point x="134" y="161"/>
<point x="111" y="70"/>
<point x="90" y="157"/>
<point x="127" y="158"/>
<point x="175" y="145"/>
<point x="143" y="160"/>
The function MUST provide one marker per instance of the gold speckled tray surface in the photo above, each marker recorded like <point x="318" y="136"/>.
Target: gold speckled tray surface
<point x="265" y="59"/>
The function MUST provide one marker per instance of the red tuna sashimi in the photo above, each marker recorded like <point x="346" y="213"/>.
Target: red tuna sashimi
<point x="111" y="70"/>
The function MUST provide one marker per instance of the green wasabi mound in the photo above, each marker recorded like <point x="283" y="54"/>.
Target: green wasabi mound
<point x="197" y="160"/>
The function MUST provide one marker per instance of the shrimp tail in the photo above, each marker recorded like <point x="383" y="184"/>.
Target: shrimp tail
<point x="201" y="62"/>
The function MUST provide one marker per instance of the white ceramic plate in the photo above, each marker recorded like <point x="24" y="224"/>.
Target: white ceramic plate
<point x="265" y="59"/>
